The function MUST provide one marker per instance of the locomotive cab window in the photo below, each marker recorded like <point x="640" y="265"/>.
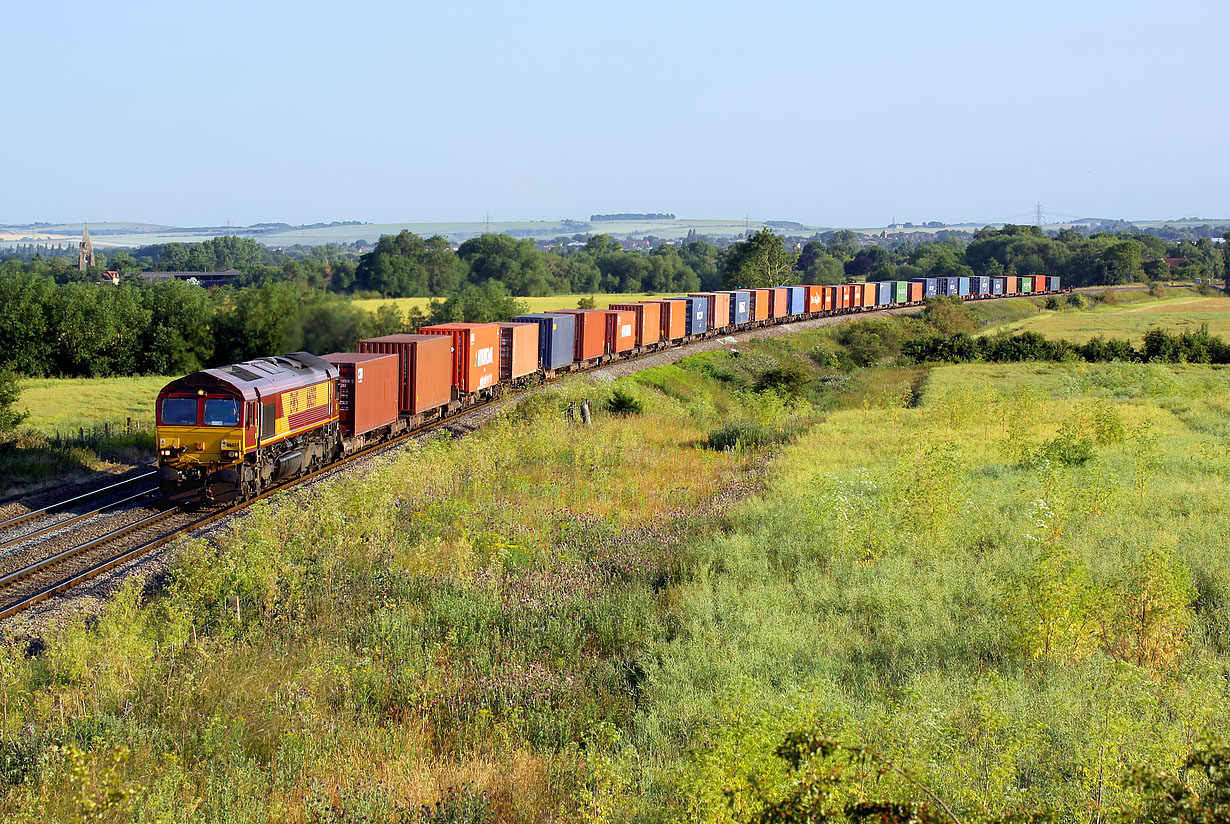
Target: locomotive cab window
<point x="221" y="412"/>
<point x="178" y="412"/>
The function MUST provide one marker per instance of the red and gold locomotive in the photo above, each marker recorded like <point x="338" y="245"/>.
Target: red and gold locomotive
<point x="225" y="434"/>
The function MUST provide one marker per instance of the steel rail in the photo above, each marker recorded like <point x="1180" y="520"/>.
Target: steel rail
<point x="85" y="496"/>
<point x="21" y="539"/>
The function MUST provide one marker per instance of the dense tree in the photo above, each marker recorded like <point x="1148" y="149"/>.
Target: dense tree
<point x="758" y="262"/>
<point x="516" y="263"/>
<point x="816" y="265"/>
<point x="10" y="392"/>
<point x="478" y="303"/>
<point x="406" y="265"/>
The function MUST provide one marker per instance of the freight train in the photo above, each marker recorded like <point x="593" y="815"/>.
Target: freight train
<point x="227" y="434"/>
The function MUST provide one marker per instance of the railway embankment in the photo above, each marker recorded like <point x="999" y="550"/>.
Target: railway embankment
<point x="1005" y="577"/>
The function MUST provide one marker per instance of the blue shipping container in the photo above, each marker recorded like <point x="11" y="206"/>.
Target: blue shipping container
<point x="949" y="286"/>
<point x="740" y="307"/>
<point x="796" y="302"/>
<point x="930" y="286"/>
<point x="698" y="315"/>
<point x="884" y="293"/>
<point x="962" y="286"/>
<point x="980" y="286"/>
<point x="997" y="285"/>
<point x="556" y="338"/>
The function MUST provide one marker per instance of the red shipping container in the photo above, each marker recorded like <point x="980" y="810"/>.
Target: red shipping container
<point x="674" y="318"/>
<point x="424" y="369"/>
<point x="620" y="330"/>
<point x="830" y="298"/>
<point x="648" y="321"/>
<point x="779" y="302"/>
<point x="476" y="349"/>
<point x="366" y="390"/>
<point x="916" y="291"/>
<point x="518" y="349"/>
<point x="591" y="332"/>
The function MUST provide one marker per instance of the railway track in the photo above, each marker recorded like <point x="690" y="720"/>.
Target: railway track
<point x="57" y="570"/>
<point x="34" y="513"/>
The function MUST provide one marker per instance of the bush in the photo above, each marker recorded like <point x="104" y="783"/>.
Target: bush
<point x="10" y="392"/>
<point x="1075" y="301"/>
<point x="789" y="380"/>
<point x="1052" y="303"/>
<point x="1108" y="297"/>
<point x="1157" y="290"/>
<point x="623" y="402"/>
<point x="587" y="302"/>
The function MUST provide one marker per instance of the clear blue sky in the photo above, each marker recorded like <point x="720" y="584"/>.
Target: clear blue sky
<point x="826" y="113"/>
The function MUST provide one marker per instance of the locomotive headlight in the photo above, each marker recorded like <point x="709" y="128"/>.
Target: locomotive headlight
<point x="230" y="453"/>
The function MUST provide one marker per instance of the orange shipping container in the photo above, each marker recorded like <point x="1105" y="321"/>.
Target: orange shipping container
<point x="779" y="302"/>
<point x="620" y="330"/>
<point x="843" y="297"/>
<point x="518" y="349"/>
<point x="1009" y="286"/>
<point x="916" y="291"/>
<point x="830" y="298"/>
<point x="760" y="304"/>
<point x="1039" y="283"/>
<point x="424" y="369"/>
<point x="648" y="321"/>
<point x="673" y="320"/>
<point x="476" y="349"/>
<point x="869" y="295"/>
<point x="814" y="298"/>
<point x="591" y="332"/>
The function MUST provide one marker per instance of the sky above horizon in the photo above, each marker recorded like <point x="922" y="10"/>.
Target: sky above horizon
<point x="831" y="114"/>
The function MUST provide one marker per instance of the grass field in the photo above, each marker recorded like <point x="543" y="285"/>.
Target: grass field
<point x="68" y="403"/>
<point x="1008" y="578"/>
<point x="601" y="301"/>
<point x="1129" y="320"/>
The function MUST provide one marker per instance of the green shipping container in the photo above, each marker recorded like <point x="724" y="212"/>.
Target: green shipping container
<point x="901" y="291"/>
<point x="1024" y="285"/>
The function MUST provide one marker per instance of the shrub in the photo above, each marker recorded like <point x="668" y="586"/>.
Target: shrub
<point x="1108" y="297"/>
<point x="1052" y="303"/>
<point x="1075" y="301"/>
<point x="1157" y="290"/>
<point x="587" y="302"/>
<point x="788" y="380"/>
<point x="623" y="402"/>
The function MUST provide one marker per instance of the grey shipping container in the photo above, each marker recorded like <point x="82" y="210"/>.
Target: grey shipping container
<point x="740" y="307"/>
<point x="1052" y="284"/>
<point x="796" y="303"/>
<point x="930" y="286"/>
<point x="997" y="285"/>
<point x="884" y="293"/>
<point x="557" y="336"/>
<point x="947" y="286"/>
<point x="698" y="311"/>
<point x="980" y="286"/>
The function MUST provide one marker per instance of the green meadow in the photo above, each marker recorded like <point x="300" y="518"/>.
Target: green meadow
<point x="1007" y="580"/>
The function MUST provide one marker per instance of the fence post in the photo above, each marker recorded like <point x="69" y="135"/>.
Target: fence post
<point x="81" y="433"/>
<point x="130" y="426"/>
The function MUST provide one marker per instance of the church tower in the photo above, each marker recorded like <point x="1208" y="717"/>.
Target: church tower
<point x="85" y="257"/>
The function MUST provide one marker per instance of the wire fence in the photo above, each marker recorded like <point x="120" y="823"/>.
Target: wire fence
<point x="101" y="434"/>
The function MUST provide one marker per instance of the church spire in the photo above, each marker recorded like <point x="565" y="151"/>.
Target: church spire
<point x="85" y="255"/>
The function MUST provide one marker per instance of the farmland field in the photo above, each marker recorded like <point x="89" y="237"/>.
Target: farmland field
<point x="1132" y="320"/>
<point x="68" y="403"/>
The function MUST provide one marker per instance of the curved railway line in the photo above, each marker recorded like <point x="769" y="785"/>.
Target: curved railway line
<point x="31" y="573"/>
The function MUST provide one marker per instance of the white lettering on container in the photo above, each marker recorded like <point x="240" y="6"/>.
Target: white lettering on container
<point x="484" y="357"/>
<point x="359" y="375"/>
<point x="742" y="307"/>
<point x="625" y="331"/>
